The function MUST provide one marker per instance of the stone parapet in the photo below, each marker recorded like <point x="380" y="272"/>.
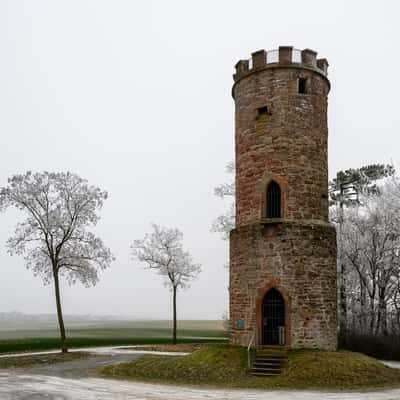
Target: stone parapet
<point x="283" y="56"/>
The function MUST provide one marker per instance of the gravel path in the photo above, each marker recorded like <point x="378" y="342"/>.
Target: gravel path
<point x="35" y="387"/>
<point x="72" y="381"/>
<point x="97" y="350"/>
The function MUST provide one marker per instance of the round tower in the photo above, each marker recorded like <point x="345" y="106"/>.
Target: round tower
<point x="283" y="250"/>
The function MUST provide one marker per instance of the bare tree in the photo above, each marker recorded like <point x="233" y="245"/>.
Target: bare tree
<point x="162" y="251"/>
<point x="54" y="239"/>
<point x="224" y="223"/>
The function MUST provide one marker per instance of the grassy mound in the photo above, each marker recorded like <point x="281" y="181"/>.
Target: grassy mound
<point x="40" y="359"/>
<point x="226" y="366"/>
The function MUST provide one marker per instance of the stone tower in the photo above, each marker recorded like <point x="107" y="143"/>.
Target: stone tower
<point x="283" y="249"/>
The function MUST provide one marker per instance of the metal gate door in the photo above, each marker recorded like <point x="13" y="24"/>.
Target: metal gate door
<point x="273" y="314"/>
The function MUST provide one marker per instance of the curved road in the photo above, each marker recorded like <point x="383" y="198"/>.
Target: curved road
<point x="72" y="381"/>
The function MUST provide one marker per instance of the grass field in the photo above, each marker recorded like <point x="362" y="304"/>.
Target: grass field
<point x="105" y="333"/>
<point x="115" y="328"/>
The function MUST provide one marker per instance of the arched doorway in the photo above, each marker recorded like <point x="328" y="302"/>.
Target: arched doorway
<point x="273" y="318"/>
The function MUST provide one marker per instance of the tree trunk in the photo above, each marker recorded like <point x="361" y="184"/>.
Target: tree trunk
<point x="363" y="308"/>
<point x="343" y="276"/>
<point x="343" y="300"/>
<point x="382" y="317"/>
<point x="59" y="313"/>
<point x="174" y="313"/>
<point x="372" y="313"/>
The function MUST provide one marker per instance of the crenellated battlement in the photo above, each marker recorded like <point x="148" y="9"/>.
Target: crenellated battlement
<point x="285" y="56"/>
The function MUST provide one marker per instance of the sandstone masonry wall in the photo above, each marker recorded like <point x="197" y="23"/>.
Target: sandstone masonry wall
<point x="281" y="134"/>
<point x="300" y="261"/>
<point x="291" y="147"/>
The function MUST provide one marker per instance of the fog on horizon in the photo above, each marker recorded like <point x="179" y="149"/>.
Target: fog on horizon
<point x="136" y="98"/>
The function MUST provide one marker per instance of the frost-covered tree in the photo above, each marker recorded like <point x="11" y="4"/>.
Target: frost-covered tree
<point x="348" y="185"/>
<point x="162" y="251"/>
<point x="369" y="243"/>
<point x="54" y="238"/>
<point x="346" y="190"/>
<point x="224" y="223"/>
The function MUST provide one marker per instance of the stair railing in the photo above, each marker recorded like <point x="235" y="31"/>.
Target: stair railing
<point x="253" y="339"/>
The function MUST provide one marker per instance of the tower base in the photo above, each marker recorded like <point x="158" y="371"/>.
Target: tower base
<point x="283" y="284"/>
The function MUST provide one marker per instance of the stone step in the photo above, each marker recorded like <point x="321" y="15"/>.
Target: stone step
<point x="269" y="361"/>
<point x="266" y="357"/>
<point x="264" y="373"/>
<point x="267" y="364"/>
<point x="271" y="351"/>
<point x="266" y="370"/>
<point x="263" y="369"/>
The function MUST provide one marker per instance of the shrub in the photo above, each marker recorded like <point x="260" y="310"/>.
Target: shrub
<point x="383" y="347"/>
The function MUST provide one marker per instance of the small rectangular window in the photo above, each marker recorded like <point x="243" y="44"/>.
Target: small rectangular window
<point x="302" y="85"/>
<point x="262" y="111"/>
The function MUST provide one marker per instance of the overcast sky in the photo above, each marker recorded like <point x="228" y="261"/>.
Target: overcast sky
<point x="135" y="96"/>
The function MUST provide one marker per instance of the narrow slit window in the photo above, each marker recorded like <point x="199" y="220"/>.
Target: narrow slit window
<point x="273" y="200"/>
<point x="302" y="85"/>
<point x="262" y="119"/>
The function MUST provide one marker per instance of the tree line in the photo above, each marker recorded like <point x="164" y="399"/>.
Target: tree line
<point x="365" y="207"/>
<point x="56" y="240"/>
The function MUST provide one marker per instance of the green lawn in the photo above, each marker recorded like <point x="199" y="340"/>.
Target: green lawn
<point x="226" y="366"/>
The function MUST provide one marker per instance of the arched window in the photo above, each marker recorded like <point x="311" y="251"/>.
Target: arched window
<point x="273" y="200"/>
